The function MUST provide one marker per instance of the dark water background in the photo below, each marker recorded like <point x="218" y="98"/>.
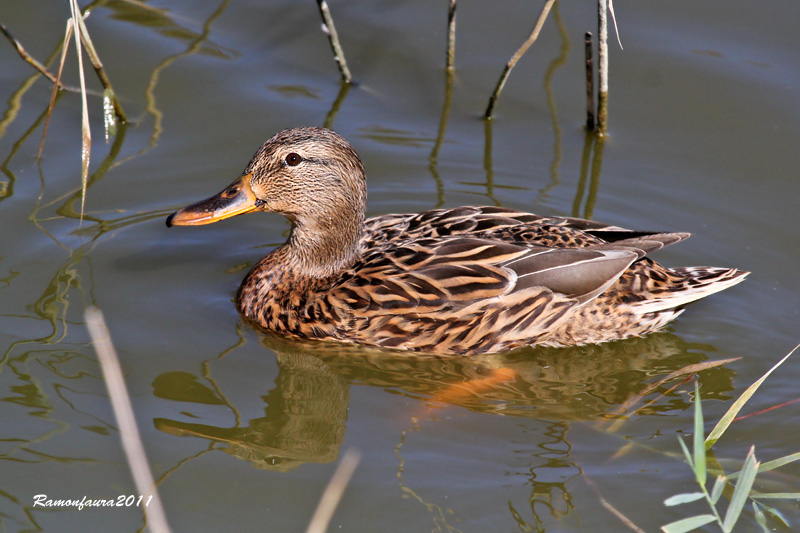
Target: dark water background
<point x="243" y="432"/>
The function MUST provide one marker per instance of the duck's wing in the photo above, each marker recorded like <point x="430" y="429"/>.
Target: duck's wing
<point x="465" y="293"/>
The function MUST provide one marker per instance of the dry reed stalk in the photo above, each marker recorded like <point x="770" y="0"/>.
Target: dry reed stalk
<point x="516" y="57"/>
<point x="451" y="36"/>
<point x="333" y="37"/>
<point x="123" y="412"/>
<point x="602" y="72"/>
<point x="589" y="82"/>
<point x="333" y="492"/>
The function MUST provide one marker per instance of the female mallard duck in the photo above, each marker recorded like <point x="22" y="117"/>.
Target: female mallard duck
<point x="467" y="280"/>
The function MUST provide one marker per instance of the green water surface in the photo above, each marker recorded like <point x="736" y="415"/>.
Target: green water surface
<point x="244" y="431"/>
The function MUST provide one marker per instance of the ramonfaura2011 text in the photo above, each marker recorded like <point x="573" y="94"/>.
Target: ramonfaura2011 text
<point x="41" y="500"/>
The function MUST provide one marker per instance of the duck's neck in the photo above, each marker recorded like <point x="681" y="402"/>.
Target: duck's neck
<point x="323" y="246"/>
<point x="275" y="290"/>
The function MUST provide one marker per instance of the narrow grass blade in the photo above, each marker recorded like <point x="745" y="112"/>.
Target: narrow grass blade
<point x="772" y="465"/>
<point x="686" y="497"/>
<point x="741" y="491"/>
<point x="688" y="524"/>
<point x="775" y="495"/>
<point x="684" y="372"/>
<point x="699" y="448"/>
<point x="86" y="134"/>
<point x="728" y="417"/>
<point x="776" y="463"/>
<point x="614" y="20"/>
<point x="719" y="486"/>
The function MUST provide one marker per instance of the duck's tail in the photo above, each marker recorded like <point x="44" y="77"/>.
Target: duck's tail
<point x="692" y="284"/>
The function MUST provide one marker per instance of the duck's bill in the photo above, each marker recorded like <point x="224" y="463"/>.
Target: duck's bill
<point x="236" y="199"/>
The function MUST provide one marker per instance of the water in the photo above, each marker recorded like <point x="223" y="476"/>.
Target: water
<point x="244" y="431"/>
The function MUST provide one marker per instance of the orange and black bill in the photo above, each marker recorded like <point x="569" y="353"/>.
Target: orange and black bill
<point x="236" y="199"/>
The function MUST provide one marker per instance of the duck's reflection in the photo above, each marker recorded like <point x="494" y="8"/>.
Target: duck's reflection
<point x="306" y="410"/>
<point x="304" y="418"/>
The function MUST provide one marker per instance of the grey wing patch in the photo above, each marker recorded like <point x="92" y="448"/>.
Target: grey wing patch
<point x="579" y="273"/>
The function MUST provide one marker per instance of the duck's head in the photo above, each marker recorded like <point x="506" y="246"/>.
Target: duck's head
<point x="311" y="175"/>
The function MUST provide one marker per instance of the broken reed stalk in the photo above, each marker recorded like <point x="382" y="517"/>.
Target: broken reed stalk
<point x="123" y="412"/>
<point x="513" y="61"/>
<point x="333" y="492"/>
<point x="76" y="24"/>
<point x="56" y="80"/>
<point x="333" y="38"/>
<point x="589" y="82"/>
<point x="32" y="61"/>
<point x="602" y="67"/>
<point x="55" y="86"/>
<point x="451" y="36"/>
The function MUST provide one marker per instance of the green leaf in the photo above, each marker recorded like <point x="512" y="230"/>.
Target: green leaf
<point x="688" y="524"/>
<point x="772" y="465"/>
<point x="760" y="518"/>
<point x="775" y="463"/>
<point x="719" y="486"/>
<point x="741" y="491"/>
<point x="699" y="447"/>
<point x="683" y="498"/>
<point x="775" y="495"/>
<point x="728" y="417"/>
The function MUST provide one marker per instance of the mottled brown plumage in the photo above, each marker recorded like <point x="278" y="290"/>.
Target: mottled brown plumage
<point x="451" y="281"/>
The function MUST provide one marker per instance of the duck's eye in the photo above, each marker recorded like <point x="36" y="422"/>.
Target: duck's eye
<point x="293" y="159"/>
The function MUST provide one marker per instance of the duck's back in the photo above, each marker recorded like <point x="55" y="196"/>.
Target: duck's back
<point x="486" y="222"/>
<point x="487" y="279"/>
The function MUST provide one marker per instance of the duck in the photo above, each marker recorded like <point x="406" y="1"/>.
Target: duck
<point x="457" y="281"/>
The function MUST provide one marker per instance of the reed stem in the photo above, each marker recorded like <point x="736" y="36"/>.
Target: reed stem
<point x="602" y="73"/>
<point x="451" y="36"/>
<point x="333" y="38"/>
<point x="516" y="57"/>
<point x="589" y="83"/>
